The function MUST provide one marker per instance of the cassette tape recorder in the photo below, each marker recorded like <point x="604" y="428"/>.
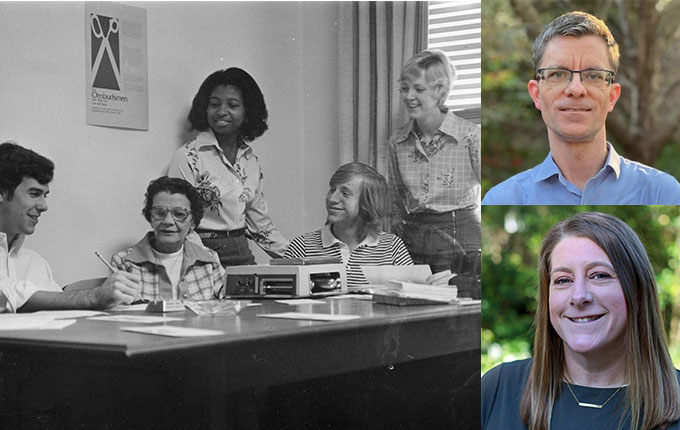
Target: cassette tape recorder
<point x="285" y="281"/>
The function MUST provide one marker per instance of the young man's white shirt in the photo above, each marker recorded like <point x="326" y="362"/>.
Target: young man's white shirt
<point x="22" y="273"/>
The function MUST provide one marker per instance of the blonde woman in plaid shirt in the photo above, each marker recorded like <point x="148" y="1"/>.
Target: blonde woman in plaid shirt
<point x="165" y="259"/>
<point x="434" y="174"/>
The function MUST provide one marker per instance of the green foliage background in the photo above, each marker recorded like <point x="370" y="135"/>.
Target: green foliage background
<point x="510" y="242"/>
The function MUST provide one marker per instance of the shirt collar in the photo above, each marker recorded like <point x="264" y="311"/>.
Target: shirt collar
<point x="207" y="140"/>
<point x="549" y="168"/>
<point x="613" y="160"/>
<point x="546" y="169"/>
<point x="142" y="252"/>
<point x="328" y="239"/>
<point x="16" y="246"/>
<point x="449" y="126"/>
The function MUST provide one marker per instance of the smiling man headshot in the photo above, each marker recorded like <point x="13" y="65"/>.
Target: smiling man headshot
<point x="575" y="62"/>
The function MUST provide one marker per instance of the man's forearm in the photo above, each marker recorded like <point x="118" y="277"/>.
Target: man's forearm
<point x="44" y="300"/>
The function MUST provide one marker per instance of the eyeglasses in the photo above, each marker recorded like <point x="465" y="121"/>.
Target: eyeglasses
<point x="178" y="214"/>
<point x="592" y="78"/>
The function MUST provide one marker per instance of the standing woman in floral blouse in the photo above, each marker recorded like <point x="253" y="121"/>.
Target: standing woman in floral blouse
<point x="435" y="174"/>
<point x="229" y="111"/>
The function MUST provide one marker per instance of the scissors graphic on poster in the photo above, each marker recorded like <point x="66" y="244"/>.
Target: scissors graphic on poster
<point x="98" y="32"/>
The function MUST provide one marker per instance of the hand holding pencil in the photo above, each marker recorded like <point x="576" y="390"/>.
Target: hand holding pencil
<point x="119" y="287"/>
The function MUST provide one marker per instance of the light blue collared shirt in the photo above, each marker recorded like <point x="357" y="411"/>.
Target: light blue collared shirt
<point x="619" y="182"/>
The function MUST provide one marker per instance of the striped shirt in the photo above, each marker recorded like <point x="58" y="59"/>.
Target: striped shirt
<point x="385" y="249"/>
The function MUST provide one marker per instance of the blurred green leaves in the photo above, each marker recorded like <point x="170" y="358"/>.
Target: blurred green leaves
<point x="510" y="242"/>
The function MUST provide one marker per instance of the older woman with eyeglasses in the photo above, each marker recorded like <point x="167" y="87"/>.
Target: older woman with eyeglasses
<point x="165" y="260"/>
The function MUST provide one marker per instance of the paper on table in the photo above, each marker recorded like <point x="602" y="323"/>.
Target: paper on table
<point x="308" y="316"/>
<point x="381" y="275"/>
<point x="57" y="324"/>
<point x="300" y="301"/>
<point x="21" y="324"/>
<point x="352" y="296"/>
<point x="136" y="318"/>
<point x="128" y="308"/>
<point x="173" y="331"/>
<point x="66" y="314"/>
<point x="142" y="307"/>
<point x="29" y="322"/>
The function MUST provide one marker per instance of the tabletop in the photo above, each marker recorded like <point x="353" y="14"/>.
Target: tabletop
<point x="98" y="370"/>
<point x="106" y="336"/>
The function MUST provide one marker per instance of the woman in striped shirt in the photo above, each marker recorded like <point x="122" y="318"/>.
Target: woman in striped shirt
<point x="356" y="205"/>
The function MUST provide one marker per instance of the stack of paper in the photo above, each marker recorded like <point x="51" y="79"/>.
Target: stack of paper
<point x="409" y="293"/>
<point x="419" y="287"/>
<point x="424" y="291"/>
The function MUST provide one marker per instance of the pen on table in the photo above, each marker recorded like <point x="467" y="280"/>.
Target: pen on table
<point x="104" y="261"/>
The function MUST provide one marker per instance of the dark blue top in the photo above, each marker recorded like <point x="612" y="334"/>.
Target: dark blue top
<point x="502" y="389"/>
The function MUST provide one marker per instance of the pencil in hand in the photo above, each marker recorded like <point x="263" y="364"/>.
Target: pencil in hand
<point x="104" y="261"/>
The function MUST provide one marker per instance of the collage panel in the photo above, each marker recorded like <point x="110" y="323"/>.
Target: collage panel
<point x="579" y="112"/>
<point x="589" y="294"/>
<point x="579" y="107"/>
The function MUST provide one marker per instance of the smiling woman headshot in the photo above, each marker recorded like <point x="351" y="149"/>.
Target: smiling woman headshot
<point x="599" y="357"/>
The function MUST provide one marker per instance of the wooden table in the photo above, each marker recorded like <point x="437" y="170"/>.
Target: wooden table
<point x="418" y="361"/>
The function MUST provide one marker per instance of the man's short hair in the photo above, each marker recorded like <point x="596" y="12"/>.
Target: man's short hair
<point x="373" y="195"/>
<point x="17" y="162"/>
<point x="577" y="24"/>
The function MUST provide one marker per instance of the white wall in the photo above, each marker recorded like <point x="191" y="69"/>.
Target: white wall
<point x="291" y="50"/>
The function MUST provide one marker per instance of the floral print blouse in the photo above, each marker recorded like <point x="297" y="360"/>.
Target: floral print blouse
<point x="233" y="194"/>
<point x="436" y="176"/>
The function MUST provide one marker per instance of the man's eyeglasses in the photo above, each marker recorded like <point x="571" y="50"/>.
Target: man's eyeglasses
<point x="159" y="213"/>
<point x="592" y="78"/>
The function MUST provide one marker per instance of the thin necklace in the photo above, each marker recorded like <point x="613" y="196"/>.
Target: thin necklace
<point x="591" y="405"/>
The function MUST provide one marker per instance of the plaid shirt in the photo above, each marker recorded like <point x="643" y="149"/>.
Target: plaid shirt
<point x="201" y="276"/>
<point x="437" y="176"/>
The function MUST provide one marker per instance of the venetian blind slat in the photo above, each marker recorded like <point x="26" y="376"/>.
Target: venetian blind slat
<point x="455" y="27"/>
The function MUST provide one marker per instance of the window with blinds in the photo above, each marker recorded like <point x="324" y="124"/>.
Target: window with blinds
<point x="455" y="27"/>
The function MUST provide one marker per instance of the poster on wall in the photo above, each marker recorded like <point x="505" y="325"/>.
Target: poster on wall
<point x="117" y="93"/>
